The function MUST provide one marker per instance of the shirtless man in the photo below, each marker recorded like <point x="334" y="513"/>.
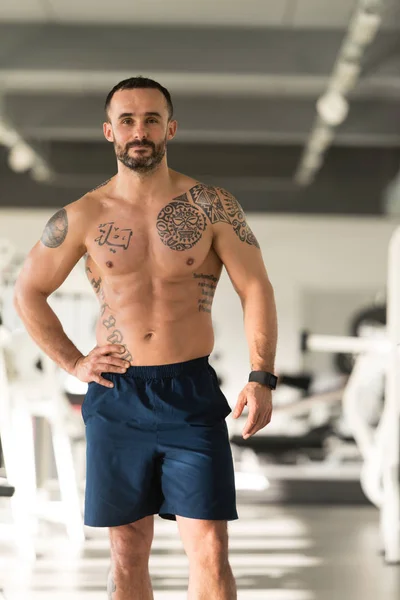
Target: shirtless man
<point x="155" y="243"/>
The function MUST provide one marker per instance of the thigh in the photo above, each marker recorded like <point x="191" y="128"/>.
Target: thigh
<point x="197" y="474"/>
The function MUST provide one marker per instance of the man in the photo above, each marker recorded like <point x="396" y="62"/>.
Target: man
<point x="155" y="243"/>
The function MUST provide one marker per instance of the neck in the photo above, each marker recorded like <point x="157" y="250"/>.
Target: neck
<point x="132" y="185"/>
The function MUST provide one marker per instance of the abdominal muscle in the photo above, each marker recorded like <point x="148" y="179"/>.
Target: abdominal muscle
<point x="156" y="332"/>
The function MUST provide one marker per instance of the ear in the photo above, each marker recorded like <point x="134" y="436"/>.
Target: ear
<point x="172" y="129"/>
<point x="108" y="132"/>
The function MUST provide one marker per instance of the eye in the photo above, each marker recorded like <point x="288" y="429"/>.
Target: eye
<point x="127" y="121"/>
<point x="152" y="120"/>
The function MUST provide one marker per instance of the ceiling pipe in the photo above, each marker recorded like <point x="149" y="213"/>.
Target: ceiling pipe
<point x="332" y="106"/>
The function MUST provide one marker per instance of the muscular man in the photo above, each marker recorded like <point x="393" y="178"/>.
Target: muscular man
<point x="155" y="243"/>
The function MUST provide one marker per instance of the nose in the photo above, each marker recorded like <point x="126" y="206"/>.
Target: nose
<point x="140" y="132"/>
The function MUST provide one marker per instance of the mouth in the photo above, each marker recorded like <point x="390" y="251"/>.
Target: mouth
<point x="144" y="147"/>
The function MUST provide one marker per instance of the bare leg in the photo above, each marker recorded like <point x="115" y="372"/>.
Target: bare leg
<point x="206" y="545"/>
<point x="129" y="577"/>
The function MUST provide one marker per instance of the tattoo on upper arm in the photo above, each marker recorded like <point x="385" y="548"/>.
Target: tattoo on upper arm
<point x="180" y="224"/>
<point x="56" y="230"/>
<point x="238" y="219"/>
<point x="207" y="285"/>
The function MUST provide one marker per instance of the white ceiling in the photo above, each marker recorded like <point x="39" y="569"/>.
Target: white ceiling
<point x="300" y="13"/>
<point x="253" y="13"/>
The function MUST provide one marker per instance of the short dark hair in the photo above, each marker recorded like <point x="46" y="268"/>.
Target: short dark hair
<point x="139" y="83"/>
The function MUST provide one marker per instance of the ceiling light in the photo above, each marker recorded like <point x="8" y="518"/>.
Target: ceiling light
<point x="364" y="27"/>
<point x="21" y="157"/>
<point x="332" y="108"/>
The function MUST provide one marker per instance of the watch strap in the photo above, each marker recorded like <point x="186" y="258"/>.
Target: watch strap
<point x="265" y="378"/>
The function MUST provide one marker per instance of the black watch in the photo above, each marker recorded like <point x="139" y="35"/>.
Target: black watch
<point x="265" y="378"/>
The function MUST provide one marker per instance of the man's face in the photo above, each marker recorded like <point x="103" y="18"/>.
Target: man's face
<point x="139" y="128"/>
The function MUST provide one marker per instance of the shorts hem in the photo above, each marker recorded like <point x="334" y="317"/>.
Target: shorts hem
<point x="171" y="515"/>
<point x="119" y="523"/>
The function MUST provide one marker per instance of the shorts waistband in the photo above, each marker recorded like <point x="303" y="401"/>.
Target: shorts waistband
<point x="172" y="370"/>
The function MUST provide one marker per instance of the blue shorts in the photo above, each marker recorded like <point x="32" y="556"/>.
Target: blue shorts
<point x="157" y="443"/>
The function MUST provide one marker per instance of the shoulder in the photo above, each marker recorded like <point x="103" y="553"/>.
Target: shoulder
<point x="219" y="205"/>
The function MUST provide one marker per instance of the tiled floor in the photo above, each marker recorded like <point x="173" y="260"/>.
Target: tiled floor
<point x="277" y="553"/>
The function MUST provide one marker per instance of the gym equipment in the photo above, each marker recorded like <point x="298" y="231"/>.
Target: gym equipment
<point x="377" y="364"/>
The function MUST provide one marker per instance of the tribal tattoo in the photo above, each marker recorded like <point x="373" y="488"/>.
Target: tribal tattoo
<point x="180" y="225"/>
<point x="56" y="230"/>
<point x="100" y="185"/>
<point x="208" y="285"/>
<point x="238" y="220"/>
<point x="113" y="236"/>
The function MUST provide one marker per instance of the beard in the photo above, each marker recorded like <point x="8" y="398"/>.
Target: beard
<point x="141" y="163"/>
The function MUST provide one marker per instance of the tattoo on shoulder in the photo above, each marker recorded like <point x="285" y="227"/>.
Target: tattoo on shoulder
<point x="56" y="230"/>
<point x="207" y="198"/>
<point x="100" y="186"/>
<point x="238" y="219"/>
<point x="180" y="225"/>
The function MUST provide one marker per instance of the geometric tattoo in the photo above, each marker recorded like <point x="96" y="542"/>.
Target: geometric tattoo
<point x="238" y="220"/>
<point x="209" y="201"/>
<point x="56" y="230"/>
<point x="180" y="224"/>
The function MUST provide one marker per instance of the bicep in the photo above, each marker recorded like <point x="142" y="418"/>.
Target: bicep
<point x="237" y="246"/>
<point x="52" y="259"/>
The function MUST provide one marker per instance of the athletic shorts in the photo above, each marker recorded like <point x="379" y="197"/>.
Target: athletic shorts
<point x="157" y="443"/>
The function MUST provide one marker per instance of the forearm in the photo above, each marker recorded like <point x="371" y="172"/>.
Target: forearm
<point x="260" y="322"/>
<point x="46" y="330"/>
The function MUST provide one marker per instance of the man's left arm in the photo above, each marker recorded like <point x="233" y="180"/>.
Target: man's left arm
<point x="239" y="251"/>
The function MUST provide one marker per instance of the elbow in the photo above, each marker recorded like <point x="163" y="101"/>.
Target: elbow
<point x="23" y="295"/>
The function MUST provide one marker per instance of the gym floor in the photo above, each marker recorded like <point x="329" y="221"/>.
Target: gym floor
<point x="277" y="553"/>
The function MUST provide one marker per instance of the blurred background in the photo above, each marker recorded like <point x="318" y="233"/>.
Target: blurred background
<point x="293" y="106"/>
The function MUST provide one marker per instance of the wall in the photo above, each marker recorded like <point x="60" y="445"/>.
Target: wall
<point x="302" y="254"/>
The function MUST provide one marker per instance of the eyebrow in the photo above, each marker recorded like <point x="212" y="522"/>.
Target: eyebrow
<point x="147" y="114"/>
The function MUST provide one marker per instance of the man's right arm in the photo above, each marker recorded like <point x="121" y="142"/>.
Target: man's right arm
<point x="47" y="266"/>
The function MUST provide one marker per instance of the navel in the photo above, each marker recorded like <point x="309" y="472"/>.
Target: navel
<point x="190" y="261"/>
<point x="109" y="264"/>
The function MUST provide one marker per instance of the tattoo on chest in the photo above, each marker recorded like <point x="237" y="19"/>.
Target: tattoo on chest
<point x="56" y="230"/>
<point x="180" y="224"/>
<point x="207" y="285"/>
<point x="115" y="237"/>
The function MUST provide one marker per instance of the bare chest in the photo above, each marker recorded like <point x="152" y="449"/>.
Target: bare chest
<point x="171" y="242"/>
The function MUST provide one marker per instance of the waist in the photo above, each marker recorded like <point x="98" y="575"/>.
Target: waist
<point x="168" y="370"/>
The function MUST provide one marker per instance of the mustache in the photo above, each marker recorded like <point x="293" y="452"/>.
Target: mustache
<point x="139" y="143"/>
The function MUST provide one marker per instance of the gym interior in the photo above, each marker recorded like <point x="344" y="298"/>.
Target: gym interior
<point x="292" y="106"/>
